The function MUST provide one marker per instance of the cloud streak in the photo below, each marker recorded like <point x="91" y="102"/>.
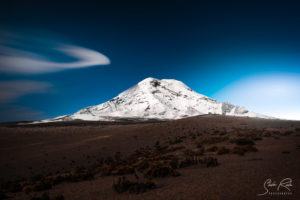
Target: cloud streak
<point x="10" y="91"/>
<point x="26" y="55"/>
<point x="19" y="113"/>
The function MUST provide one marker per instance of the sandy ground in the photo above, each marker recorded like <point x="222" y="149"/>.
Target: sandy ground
<point x="30" y="151"/>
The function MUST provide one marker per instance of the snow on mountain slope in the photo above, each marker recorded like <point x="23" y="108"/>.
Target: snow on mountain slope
<point x="157" y="99"/>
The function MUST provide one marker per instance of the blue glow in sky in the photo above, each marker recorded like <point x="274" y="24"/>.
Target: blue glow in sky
<point x="57" y="57"/>
<point x="271" y="94"/>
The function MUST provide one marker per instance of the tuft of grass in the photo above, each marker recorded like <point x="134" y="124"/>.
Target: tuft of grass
<point x="123" y="169"/>
<point x="124" y="185"/>
<point x="208" y="161"/>
<point x="156" y="169"/>
<point x="37" y="186"/>
<point x="189" y="161"/>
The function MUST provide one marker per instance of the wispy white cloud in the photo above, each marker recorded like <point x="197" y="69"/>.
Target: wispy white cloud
<point x="10" y="91"/>
<point x="22" y="55"/>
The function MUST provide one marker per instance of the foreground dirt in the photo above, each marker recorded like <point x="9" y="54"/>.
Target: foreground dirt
<point x="208" y="157"/>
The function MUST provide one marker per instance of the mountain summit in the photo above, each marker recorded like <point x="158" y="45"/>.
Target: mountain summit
<point x="157" y="99"/>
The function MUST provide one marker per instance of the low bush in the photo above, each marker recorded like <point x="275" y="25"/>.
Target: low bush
<point x="266" y="134"/>
<point x="37" y="186"/>
<point x="241" y="150"/>
<point x="222" y="150"/>
<point x="123" y="169"/>
<point x="159" y="170"/>
<point x="188" y="161"/>
<point x="210" y="161"/>
<point x="124" y="185"/>
<point x="244" y="141"/>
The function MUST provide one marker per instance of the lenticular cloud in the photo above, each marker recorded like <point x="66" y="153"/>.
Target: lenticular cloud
<point x="23" y="55"/>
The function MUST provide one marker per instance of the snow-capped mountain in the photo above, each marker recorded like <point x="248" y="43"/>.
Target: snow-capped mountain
<point x="157" y="99"/>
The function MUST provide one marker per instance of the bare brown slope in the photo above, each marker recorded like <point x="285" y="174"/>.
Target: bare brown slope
<point x="26" y="152"/>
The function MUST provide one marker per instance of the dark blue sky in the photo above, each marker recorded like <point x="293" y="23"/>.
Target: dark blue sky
<point x="209" y="45"/>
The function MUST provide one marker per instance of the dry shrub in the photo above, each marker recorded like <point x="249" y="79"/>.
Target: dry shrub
<point x="188" y="161"/>
<point x="49" y="181"/>
<point x="37" y="186"/>
<point x="175" y="148"/>
<point x="28" y="188"/>
<point x="105" y="170"/>
<point x="157" y="166"/>
<point x="157" y="169"/>
<point x="124" y="185"/>
<point x="210" y="161"/>
<point x="192" y="153"/>
<point x="162" y="157"/>
<point x="267" y="134"/>
<point x="276" y="132"/>
<point x="199" y="152"/>
<point x="80" y="174"/>
<point x="241" y="150"/>
<point x="288" y="132"/>
<point x="222" y="150"/>
<point x="123" y="169"/>
<point x="244" y="141"/>
<point x="189" y="152"/>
